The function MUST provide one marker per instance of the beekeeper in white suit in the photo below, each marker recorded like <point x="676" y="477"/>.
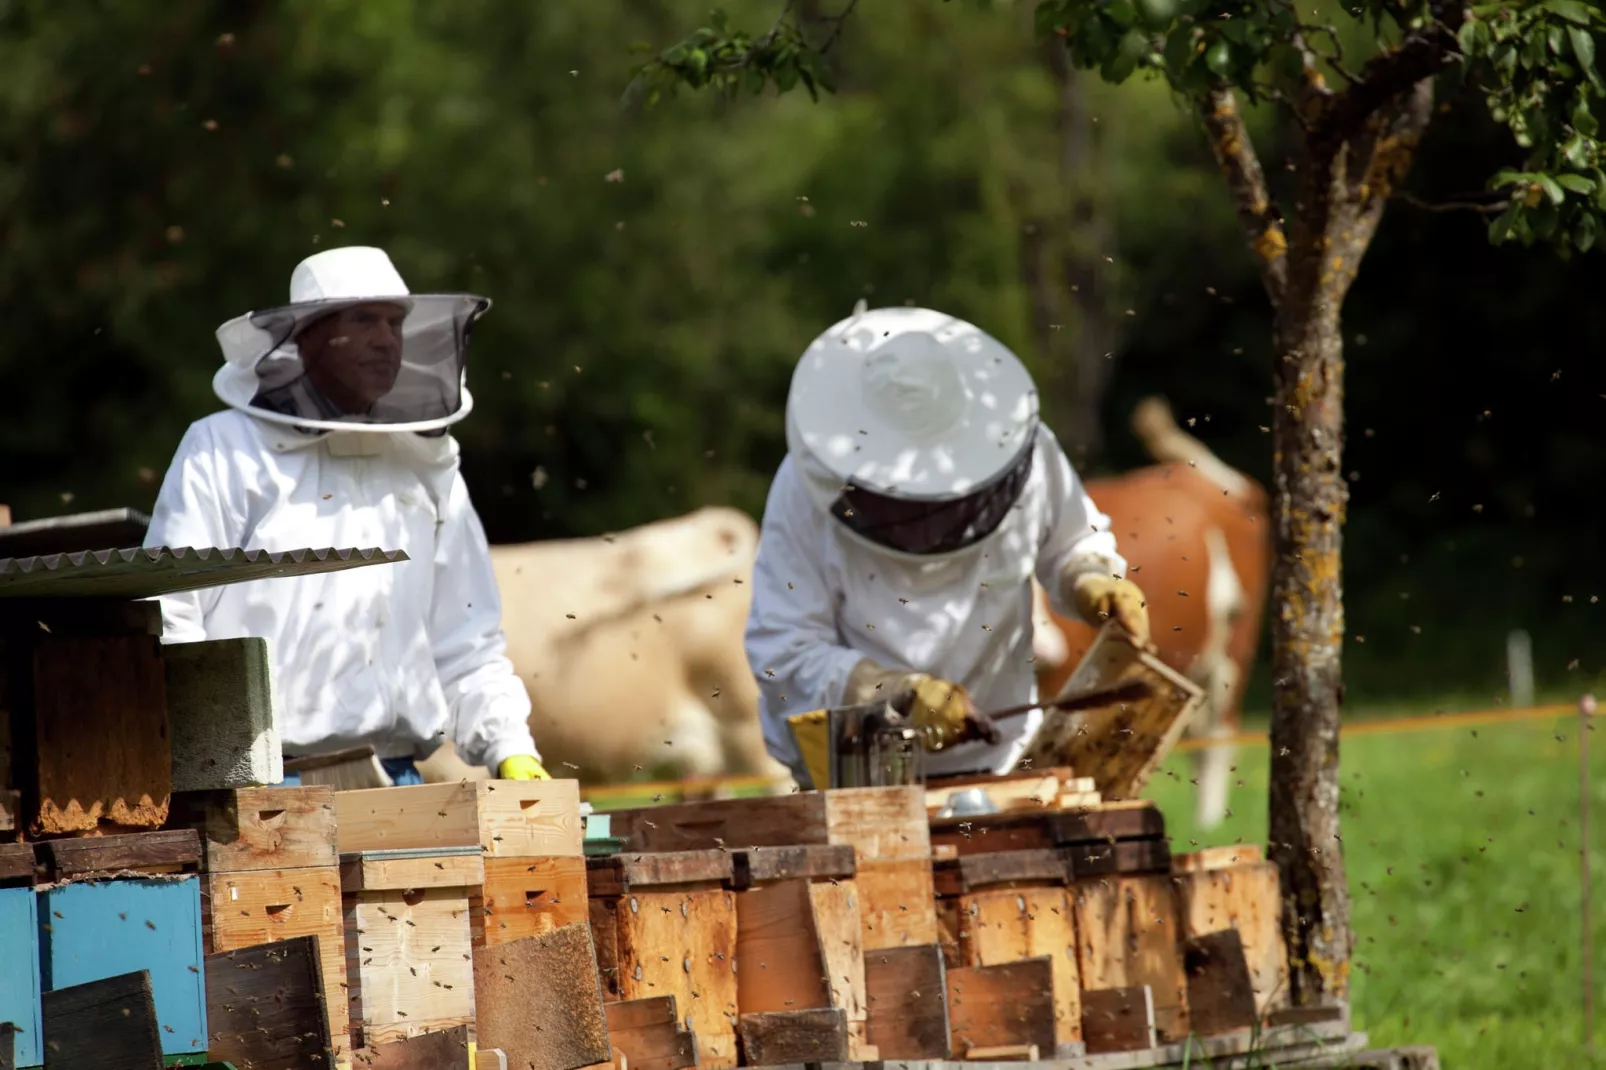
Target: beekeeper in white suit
<point x="336" y="436"/>
<point x="919" y="496"/>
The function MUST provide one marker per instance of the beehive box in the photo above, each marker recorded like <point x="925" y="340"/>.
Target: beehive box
<point x="505" y="818"/>
<point x="409" y="942"/>
<point x="665" y="924"/>
<point x="269" y="872"/>
<point x="1010" y="907"/>
<point x="94" y="925"/>
<point x="19" y="952"/>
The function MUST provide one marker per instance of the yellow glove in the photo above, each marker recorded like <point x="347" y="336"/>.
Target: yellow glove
<point x="522" y="767"/>
<point x="943" y="712"/>
<point x="1100" y="598"/>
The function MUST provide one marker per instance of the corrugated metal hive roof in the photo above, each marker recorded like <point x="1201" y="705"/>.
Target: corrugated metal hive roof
<point x="151" y="571"/>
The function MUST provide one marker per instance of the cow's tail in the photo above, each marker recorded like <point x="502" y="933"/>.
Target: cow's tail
<point x="1157" y="429"/>
<point x="1217" y="673"/>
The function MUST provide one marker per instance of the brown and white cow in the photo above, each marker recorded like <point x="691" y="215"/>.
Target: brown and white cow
<point x="1196" y="535"/>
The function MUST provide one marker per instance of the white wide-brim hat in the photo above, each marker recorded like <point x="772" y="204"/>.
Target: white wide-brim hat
<point x="259" y="347"/>
<point x="912" y="404"/>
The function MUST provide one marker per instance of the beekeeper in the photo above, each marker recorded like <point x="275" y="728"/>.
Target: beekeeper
<point x="919" y="496"/>
<point x="336" y="435"/>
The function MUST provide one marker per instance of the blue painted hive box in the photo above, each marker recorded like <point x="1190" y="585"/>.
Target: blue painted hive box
<point x="92" y="928"/>
<point x="19" y="954"/>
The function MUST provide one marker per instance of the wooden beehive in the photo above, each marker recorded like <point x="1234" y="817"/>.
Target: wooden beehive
<point x="799" y="949"/>
<point x="409" y="943"/>
<point x="1234" y="888"/>
<point x="19" y="951"/>
<point x="1012" y="906"/>
<point x="665" y="924"/>
<point x="269" y="873"/>
<point x="123" y="904"/>
<point x="505" y="818"/>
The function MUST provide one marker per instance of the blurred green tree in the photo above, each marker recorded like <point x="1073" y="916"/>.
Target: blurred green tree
<point x="1355" y="130"/>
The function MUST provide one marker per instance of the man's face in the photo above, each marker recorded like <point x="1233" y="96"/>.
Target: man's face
<point x="354" y="355"/>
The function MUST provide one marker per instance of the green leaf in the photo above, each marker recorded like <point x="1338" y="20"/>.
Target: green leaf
<point x="1571" y="10"/>
<point x="1118" y="66"/>
<point x="1556" y="38"/>
<point x="1046" y="19"/>
<point x="1576" y="183"/>
<point x="1552" y="189"/>
<point x="1576" y="151"/>
<point x="1584" y="120"/>
<point x="1583" y="47"/>
<point x="1507" y="177"/>
<point x="1586" y="232"/>
<point x="1219" y="58"/>
<point x="1157" y="13"/>
<point x="1502" y="226"/>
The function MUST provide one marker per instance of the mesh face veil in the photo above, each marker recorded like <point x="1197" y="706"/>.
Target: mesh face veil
<point x="353" y="351"/>
<point x="915" y="430"/>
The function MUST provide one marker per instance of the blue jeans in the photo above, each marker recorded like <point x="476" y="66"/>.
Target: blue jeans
<point x="401" y="770"/>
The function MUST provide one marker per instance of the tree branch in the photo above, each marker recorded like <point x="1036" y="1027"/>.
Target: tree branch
<point x="1235" y="155"/>
<point x="1423" y="54"/>
<point x="1485" y="208"/>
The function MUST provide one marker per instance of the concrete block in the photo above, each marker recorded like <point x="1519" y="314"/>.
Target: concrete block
<point x="220" y="711"/>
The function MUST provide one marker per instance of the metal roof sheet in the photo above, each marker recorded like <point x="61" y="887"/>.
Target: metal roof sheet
<point x="151" y="571"/>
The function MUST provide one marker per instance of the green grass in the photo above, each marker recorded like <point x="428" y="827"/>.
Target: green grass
<point x="1462" y="850"/>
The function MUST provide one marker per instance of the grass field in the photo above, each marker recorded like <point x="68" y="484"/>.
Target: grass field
<point x="1462" y="849"/>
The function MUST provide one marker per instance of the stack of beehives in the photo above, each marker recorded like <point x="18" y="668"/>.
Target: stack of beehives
<point x="849" y="925"/>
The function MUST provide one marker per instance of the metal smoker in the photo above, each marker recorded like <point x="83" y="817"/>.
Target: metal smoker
<point x="874" y="746"/>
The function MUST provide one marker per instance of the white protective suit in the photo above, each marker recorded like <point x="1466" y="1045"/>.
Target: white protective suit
<point x="401" y="656"/>
<point x="825" y="597"/>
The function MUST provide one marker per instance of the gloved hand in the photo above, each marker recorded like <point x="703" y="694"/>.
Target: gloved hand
<point x="1099" y="598"/>
<point x="522" y="767"/>
<point x="940" y="709"/>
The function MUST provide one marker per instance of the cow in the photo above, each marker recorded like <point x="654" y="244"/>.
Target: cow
<point x="631" y="648"/>
<point x="1197" y="537"/>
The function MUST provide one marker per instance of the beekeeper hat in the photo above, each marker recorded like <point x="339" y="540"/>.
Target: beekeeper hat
<point x="431" y="391"/>
<point x="913" y="427"/>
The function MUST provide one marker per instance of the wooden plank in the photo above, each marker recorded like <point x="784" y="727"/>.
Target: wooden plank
<point x="758" y="865"/>
<point x="975" y="872"/>
<point x="265" y="1007"/>
<point x="527" y="897"/>
<point x="17" y="863"/>
<point x="997" y="926"/>
<point x="610" y="875"/>
<point x="1223" y="857"/>
<point x="109" y="1024"/>
<point x="1122" y="856"/>
<point x="97" y="929"/>
<point x="681" y="943"/>
<point x="1127" y="935"/>
<point x="10" y="807"/>
<point x="906" y="995"/>
<point x="799" y="946"/>
<point x="1119" y="745"/>
<point x="408" y="962"/>
<point x="254" y="907"/>
<point x="647" y="1033"/>
<point x="140" y="852"/>
<point x="1118" y="1019"/>
<point x="897" y="902"/>
<point x="260" y="828"/>
<point x="880" y="823"/>
<point x="508" y="818"/>
<point x="1221" y="997"/>
<point x="776" y="1038"/>
<point x="1107" y="823"/>
<point x="19" y="975"/>
<point x="422" y="868"/>
<point x="1246" y="898"/>
<point x="443" y="1049"/>
<point x="537" y="999"/>
<point x="8" y="1046"/>
<point x="1004" y="1005"/>
<point x="99" y="735"/>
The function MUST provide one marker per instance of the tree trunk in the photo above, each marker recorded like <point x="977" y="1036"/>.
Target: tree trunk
<point x="1307" y="633"/>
